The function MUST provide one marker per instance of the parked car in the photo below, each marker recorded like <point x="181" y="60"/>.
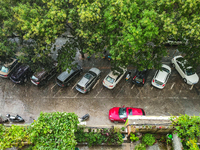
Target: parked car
<point x="66" y="77"/>
<point x="161" y="76"/>
<point x="111" y="80"/>
<point x="140" y="77"/>
<point x="42" y="77"/>
<point x="21" y="74"/>
<point x="88" y="80"/>
<point x="120" y="114"/>
<point x="7" y="69"/>
<point x="187" y="73"/>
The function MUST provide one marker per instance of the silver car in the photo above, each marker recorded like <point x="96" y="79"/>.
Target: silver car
<point x="88" y="80"/>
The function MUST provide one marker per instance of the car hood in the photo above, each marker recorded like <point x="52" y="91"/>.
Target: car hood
<point x="114" y="113"/>
<point x="193" y="78"/>
<point x="95" y="70"/>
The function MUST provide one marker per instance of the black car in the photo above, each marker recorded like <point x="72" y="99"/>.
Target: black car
<point x="65" y="78"/>
<point x="21" y="74"/>
<point x="140" y="77"/>
<point x="43" y="76"/>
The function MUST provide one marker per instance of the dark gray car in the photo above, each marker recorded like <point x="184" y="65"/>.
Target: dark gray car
<point x="65" y="78"/>
<point x="88" y="80"/>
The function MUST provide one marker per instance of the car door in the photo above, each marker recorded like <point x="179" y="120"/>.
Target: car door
<point x="180" y="69"/>
<point x="118" y="78"/>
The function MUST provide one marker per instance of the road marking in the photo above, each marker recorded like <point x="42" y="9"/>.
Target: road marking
<point x="191" y="86"/>
<point x="151" y="87"/>
<point x="53" y="86"/>
<point x="75" y="84"/>
<point x="133" y="86"/>
<point x="57" y="92"/>
<point x="76" y="95"/>
<point x="172" y="85"/>
<point x="115" y="97"/>
<point x="13" y="86"/>
<point x="120" y="90"/>
<point x="98" y="92"/>
<point x="95" y="84"/>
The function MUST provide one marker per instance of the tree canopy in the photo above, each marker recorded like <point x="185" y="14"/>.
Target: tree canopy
<point x="134" y="31"/>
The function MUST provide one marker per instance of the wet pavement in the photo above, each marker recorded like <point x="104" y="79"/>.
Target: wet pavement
<point x="28" y="100"/>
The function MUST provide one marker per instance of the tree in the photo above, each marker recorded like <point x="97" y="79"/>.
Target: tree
<point x="132" y="31"/>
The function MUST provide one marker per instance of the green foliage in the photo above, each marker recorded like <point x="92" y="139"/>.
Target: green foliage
<point x="133" y="138"/>
<point x="188" y="129"/>
<point x="54" y="131"/>
<point x="123" y="128"/>
<point x="140" y="147"/>
<point x="148" y="139"/>
<point x="15" y="136"/>
<point x="109" y="136"/>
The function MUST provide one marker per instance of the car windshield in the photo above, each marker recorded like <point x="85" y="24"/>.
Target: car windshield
<point x="122" y="113"/>
<point x="138" y="79"/>
<point x="4" y="69"/>
<point x="165" y="69"/>
<point x="158" y="82"/>
<point x="189" y="71"/>
<point x="109" y="79"/>
<point x="88" y="76"/>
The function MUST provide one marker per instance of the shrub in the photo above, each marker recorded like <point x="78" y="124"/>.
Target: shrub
<point x="140" y="147"/>
<point x="148" y="139"/>
<point x="133" y="138"/>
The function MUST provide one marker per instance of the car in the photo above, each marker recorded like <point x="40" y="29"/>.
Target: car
<point x="88" y="80"/>
<point x="120" y="114"/>
<point x="113" y="78"/>
<point x="41" y="77"/>
<point x="140" y="77"/>
<point x="161" y="76"/>
<point x="66" y="77"/>
<point x="7" y="69"/>
<point x="187" y="73"/>
<point x="21" y="74"/>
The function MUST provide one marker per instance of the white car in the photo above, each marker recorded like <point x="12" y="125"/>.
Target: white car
<point x="188" y="75"/>
<point x="161" y="76"/>
<point x="111" y="80"/>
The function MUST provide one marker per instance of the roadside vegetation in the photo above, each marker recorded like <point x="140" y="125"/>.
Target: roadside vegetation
<point x="134" y="32"/>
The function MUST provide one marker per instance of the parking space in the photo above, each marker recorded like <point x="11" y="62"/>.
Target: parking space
<point x="28" y="100"/>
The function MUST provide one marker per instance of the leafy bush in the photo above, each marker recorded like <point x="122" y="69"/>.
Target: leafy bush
<point x="109" y="136"/>
<point x="54" y="131"/>
<point x="188" y="129"/>
<point x="148" y="139"/>
<point x="140" y="147"/>
<point x="13" y="136"/>
<point x="133" y="138"/>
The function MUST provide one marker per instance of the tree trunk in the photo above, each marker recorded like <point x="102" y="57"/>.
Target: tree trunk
<point x="82" y="54"/>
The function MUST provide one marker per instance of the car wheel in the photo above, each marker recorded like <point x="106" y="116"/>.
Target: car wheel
<point x="88" y="90"/>
<point x="68" y="84"/>
<point x="185" y="80"/>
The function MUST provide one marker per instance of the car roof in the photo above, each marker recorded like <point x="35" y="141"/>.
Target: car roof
<point x="112" y="75"/>
<point x="64" y="75"/>
<point x="10" y="63"/>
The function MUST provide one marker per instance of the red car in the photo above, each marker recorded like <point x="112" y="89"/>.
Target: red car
<point x="120" y="114"/>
